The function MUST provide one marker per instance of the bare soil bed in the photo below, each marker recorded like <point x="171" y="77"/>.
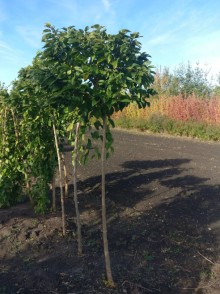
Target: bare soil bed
<point x="163" y="198"/>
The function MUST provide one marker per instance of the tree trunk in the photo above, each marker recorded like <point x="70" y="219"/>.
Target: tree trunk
<point x="54" y="194"/>
<point x="28" y="188"/>
<point x="75" y="162"/>
<point x="60" y="178"/>
<point x="4" y="127"/>
<point x="66" y="187"/>
<point x="104" y="221"/>
<point x="15" y="125"/>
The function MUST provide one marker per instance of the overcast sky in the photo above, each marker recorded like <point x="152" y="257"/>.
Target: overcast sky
<point x="174" y="31"/>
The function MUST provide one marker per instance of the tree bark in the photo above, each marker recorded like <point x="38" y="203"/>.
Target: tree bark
<point x="28" y="187"/>
<point x="4" y="127"/>
<point x="104" y="221"/>
<point x="60" y="178"/>
<point x="54" y="208"/>
<point x="15" y="125"/>
<point x="75" y="162"/>
<point x="66" y="187"/>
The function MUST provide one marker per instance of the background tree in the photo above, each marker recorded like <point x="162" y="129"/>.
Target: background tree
<point x="216" y="90"/>
<point x="185" y="80"/>
<point x="165" y="83"/>
<point x="193" y="80"/>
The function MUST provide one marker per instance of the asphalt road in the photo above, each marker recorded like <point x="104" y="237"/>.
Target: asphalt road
<point x="196" y="158"/>
<point x="157" y="169"/>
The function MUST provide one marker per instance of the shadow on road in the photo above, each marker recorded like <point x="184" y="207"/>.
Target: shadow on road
<point x="164" y="234"/>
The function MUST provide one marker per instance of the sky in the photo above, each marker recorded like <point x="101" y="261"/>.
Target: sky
<point x="173" y="31"/>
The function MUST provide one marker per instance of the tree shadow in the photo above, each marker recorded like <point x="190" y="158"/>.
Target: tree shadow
<point x="163" y="224"/>
<point x="174" y="245"/>
<point x="130" y="185"/>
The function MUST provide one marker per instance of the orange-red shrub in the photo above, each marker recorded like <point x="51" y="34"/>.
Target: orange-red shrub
<point x="191" y="109"/>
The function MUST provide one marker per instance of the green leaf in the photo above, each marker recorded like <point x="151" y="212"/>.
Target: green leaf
<point x="86" y="76"/>
<point x="96" y="26"/>
<point x="97" y="124"/>
<point x="89" y="144"/>
<point x="114" y="63"/>
<point x="135" y="35"/>
<point x="78" y="69"/>
<point x="101" y="60"/>
<point x="47" y="24"/>
<point x="111" y="122"/>
<point x="46" y="31"/>
<point x="95" y="135"/>
<point x="70" y="127"/>
<point x="126" y="100"/>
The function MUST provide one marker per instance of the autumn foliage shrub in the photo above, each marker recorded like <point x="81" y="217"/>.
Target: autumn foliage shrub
<point x="194" y="116"/>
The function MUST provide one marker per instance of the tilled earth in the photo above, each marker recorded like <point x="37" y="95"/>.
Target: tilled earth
<point x="163" y="198"/>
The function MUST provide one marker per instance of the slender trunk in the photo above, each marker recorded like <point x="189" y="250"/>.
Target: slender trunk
<point x="4" y="127"/>
<point x="27" y="181"/>
<point x="66" y="187"/>
<point x="104" y="221"/>
<point x="15" y="125"/>
<point x="78" y="222"/>
<point x="54" y="194"/>
<point x="60" y="178"/>
<point x="28" y="188"/>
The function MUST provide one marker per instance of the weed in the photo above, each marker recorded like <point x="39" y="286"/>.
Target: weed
<point x="28" y="261"/>
<point x="148" y="256"/>
<point x="207" y="275"/>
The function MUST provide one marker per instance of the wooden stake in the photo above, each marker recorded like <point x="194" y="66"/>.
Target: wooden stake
<point x="60" y="178"/>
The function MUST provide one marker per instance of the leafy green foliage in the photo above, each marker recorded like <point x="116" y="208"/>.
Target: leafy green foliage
<point x="185" y="80"/>
<point x="97" y="72"/>
<point x="80" y="76"/>
<point x="161" y="124"/>
<point x="28" y="155"/>
<point x="216" y="90"/>
<point x="11" y="179"/>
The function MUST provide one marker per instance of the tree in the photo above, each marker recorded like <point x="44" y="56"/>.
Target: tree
<point x="35" y="135"/>
<point x="185" y="80"/>
<point x="11" y="179"/>
<point x="165" y="83"/>
<point x="216" y="90"/>
<point x="60" y="75"/>
<point x="27" y="157"/>
<point x="193" y="80"/>
<point x="96" y="73"/>
<point x="119" y="74"/>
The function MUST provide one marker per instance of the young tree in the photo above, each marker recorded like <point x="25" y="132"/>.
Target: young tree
<point x="11" y="179"/>
<point x="97" y="73"/>
<point x="34" y="138"/>
<point x="119" y="74"/>
<point x="60" y="74"/>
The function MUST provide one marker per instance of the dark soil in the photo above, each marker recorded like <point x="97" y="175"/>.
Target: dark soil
<point x="163" y="198"/>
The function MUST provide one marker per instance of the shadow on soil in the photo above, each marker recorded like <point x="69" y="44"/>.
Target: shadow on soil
<point x="163" y="237"/>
